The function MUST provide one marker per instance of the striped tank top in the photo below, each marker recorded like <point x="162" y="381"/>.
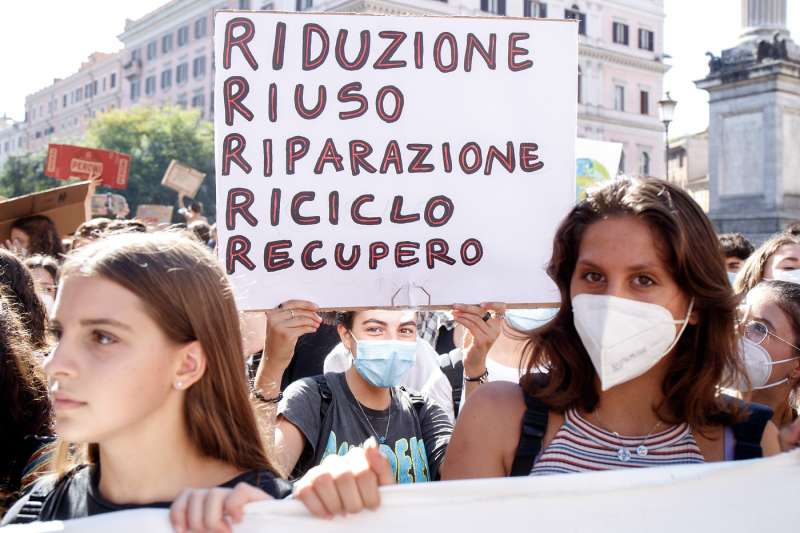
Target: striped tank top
<point x="579" y="446"/>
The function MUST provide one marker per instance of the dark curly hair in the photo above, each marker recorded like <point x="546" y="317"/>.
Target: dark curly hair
<point x="21" y="292"/>
<point x="43" y="235"/>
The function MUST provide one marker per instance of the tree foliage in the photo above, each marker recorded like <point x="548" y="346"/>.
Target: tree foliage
<point x="24" y="174"/>
<point x="154" y="136"/>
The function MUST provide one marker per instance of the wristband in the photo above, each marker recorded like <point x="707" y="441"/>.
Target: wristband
<point x="263" y="399"/>
<point x="477" y="379"/>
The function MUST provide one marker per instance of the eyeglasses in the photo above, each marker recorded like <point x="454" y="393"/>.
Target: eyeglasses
<point x="757" y="332"/>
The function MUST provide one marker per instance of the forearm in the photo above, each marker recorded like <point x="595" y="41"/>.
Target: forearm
<point x="268" y="384"/>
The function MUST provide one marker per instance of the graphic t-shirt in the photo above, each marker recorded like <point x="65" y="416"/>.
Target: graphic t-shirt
<point x="416" y="436"/>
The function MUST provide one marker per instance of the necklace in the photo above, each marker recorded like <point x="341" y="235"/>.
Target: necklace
<point x="382" y="440"/>
<point x="623" y="453"/>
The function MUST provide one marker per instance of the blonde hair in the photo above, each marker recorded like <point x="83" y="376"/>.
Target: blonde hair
<point x="752" y="271"/>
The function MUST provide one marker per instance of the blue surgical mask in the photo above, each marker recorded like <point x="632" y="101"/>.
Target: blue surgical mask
<point x="383" y="363"/>
<point x="525" y="320"/>
<point x="731" y="277"/>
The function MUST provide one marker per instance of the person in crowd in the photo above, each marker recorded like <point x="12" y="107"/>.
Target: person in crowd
<point x="504" y="361"/>
<point x="193" y="212"/>
<point x="330" y="414"/>
<point x="201" y="230"/>
<point x="778" y="258"/>
<point x="126" y="226"/>
<point x="89" y="231"/>
<point x="35" y="234"/>
<point x="736" y="249"/>
<point x="25" y="423"/>
<point x="644" y="337"/>
<point x="24" y="297"/>
<point x="44" y="270"/>
<point x="148" y="388"/>
<point x="771" y="336"/>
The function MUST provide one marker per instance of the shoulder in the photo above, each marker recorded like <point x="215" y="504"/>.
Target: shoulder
<point x="494" y="413"/>
<point x="302" y="388"/>
<point x="36" y="504"/>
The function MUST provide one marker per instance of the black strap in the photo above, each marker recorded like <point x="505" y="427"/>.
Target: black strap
<point x="749" y="432"/>
<point x="45" y="498"/>
<point x="454" y="372"/>
<point x="417" y="400"/>
<point x="534" y="425"/>
<point x="325" y="396"/>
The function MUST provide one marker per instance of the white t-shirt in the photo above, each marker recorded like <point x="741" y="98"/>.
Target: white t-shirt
<point x="425" y="377"/>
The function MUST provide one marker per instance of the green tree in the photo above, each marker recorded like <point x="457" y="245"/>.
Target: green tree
<point x="24" y="174"/>
<point x="153" y="136"/>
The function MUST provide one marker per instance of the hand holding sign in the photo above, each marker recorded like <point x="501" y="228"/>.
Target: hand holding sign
<point x="285" y="325"/>
<point x="484" y="323"/>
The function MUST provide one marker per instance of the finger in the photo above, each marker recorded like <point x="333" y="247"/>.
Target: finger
<point x="326" y="491"/>
<point x="300" y="304"/>
<point x="378" y="463"/>
<point x="347" y="490"/>
<point x="465" y="308"/>
<point x="243" y="494"/>
<point x="312" y="502"/>
<point x="177" y="512"/>
<point x="212" y="510"/>
<point x="476" y="326"/>
<point x="367" y="482"/>
<point x="286" y="315"/>
<point x="195" y="510"/>
<point x="497" y="307"/>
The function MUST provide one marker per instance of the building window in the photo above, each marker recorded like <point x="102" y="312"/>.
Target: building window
<point x="183" y="35"/>
<point x="619" y="98"/>
<point x="269" y="6"/>
<point x="104" y="85"/>
<point x="580" y="85"/>
<point x="152" y="47"/>
<point x="199" y="67"/>
<point x="244" y="4"/>
<point x="150" y="85"/>
<point x="166" y="44"/>
<point x="94" y="87"/>
<point x="646" y="39"/>
<point x="621" y="169"/>
<point x="181" y="102"/>
<point x="199" y="100"/>
<point x="200" y="28"/>
<point x="644" y="102"/>
<point x="135" y="90"/>
<point x="532" y="8"/>
<point x="136" y="55"/>
<point x="303" y="5"/>
<point x="576" y="14"/>
<point x="620" y="33"/>
<point x="113" y="81"/>
<point x="496" y="7"/>
<point x="166" y="79"/>
<point x="182" y="73"/>
<point x="644" y="164"/>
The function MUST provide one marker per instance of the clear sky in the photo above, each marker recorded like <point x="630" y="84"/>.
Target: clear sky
<point x="46" y="39"/>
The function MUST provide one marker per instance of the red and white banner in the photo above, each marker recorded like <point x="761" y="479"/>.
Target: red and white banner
<point x="65" y="161"/>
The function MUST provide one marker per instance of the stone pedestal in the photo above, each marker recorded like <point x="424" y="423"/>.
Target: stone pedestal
<point x="754" y="127"/>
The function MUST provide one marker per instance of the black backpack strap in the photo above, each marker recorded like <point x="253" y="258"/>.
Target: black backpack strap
<point x="325" y="396"/>
<point x="749" y="432"/>
<point x="44" y="498"/>
<point x="417" y="400"/>
<point x="454" y="372"/>
<point x="534" y="425"/>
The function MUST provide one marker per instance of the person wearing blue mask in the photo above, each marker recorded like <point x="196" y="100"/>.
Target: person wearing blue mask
<point x="330" y="414"/>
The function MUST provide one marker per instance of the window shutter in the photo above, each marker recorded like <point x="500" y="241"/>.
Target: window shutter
<point x="625" y="29"/>
<point x="484" y="5"/>
<point x="526" y="8"/>
<point x="501" y="7"/>
<point x="543" y="10"/>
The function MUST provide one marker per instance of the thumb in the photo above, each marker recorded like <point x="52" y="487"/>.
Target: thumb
<point x="378" y="463"/>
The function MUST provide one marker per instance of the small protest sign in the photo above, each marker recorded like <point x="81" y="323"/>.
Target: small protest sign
<point x="153" y="215"/>
<point x="367" y="161"/>
<point x="66" y="161"/>
<point x="68" y="207"/>
<point x="183" y="178"/>
<point x="595" y="162"/>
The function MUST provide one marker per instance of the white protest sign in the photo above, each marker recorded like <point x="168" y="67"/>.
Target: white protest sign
<point x="183" y="178"/>
<point x="712" y="497"/>
<point x="595" y="162"/>
<point x="366" y="159"/>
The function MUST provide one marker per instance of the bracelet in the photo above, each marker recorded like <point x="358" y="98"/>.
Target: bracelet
<point x="477" y="379"/>
<point x="261" y="398"/>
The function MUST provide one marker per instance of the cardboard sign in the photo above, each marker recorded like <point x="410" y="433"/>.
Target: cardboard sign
<point x="183" y="178"/>
<point x="595" y="162"/>
<point x="367" y="161"/>
<point x="66" y="161"/>
<point x="108" y="204"/>
<point x="153" y="215"/>
<point x="68" y="207"/>
<point x="656" y="500"/>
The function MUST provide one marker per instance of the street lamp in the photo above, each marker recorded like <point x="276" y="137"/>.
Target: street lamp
<point x="666" y="108"/>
